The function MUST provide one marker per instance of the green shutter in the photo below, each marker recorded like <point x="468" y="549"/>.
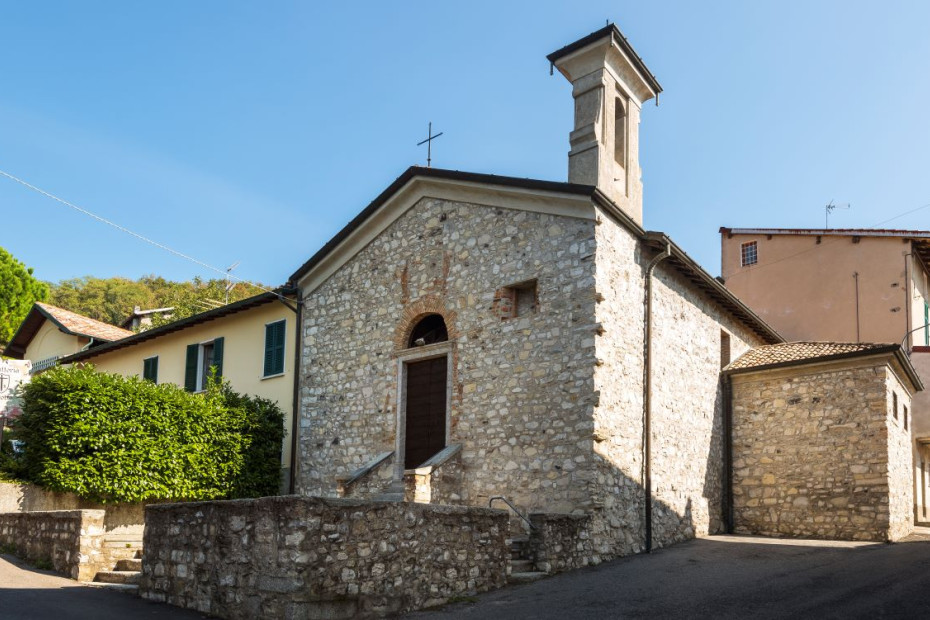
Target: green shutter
<point x="190" y="368"/>
<point x="274" y="348"/>
<point x="218" y="356"/>
<point x="150" y="369"/>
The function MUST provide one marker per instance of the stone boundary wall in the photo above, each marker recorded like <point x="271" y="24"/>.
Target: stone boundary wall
<point x="22" y="497"/>
<point x="70" y="540"/>
<point x="561" y="542"/>
<point x="817" y="453"/>
<point x="309" y="557"/>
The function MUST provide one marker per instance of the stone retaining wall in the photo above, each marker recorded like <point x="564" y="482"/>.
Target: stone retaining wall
<point x="70" y="541"/>
<point x="308" y="557"/>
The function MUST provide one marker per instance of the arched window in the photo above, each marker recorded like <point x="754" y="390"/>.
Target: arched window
<point x="620" y="134"/>
<point x="430" y="329"/>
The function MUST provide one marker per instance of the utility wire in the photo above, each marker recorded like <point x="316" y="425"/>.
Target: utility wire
<point x="161" y="246"/>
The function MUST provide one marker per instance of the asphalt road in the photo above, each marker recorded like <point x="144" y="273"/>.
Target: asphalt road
<point x="727" y="577"/>
<point x="30" y="594"/>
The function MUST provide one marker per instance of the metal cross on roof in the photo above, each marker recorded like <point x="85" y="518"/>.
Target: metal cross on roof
<point x="429" y="144"/>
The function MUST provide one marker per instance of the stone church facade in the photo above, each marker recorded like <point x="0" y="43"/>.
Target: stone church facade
<point x="538" y="288"/>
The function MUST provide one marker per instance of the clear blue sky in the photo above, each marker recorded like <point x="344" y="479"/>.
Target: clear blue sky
<point x="253" y="132"/>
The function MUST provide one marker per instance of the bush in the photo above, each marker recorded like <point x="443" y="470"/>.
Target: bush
<point x="122" y="439"/>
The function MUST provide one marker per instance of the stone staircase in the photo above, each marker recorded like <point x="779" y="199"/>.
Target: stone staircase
<point x="127" y="551"/>
<point x="522" y="566"/>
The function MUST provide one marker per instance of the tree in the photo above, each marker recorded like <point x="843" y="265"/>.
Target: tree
<point x="18" y="291"/>
<point x="111" y="300"/>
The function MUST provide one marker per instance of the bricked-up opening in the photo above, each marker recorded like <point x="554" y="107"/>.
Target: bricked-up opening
<point x="430" y="330"/>
<point x="724" y="349"/>
<point x="516" y="300"/>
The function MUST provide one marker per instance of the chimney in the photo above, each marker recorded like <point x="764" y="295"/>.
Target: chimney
<point x="610" y="83"/>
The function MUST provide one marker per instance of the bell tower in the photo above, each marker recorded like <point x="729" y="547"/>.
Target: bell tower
<point x="610" y="83"/>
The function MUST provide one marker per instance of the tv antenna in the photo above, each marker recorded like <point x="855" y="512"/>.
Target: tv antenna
<point x="229" y="284"/>
<point x="829" y="209"/>
<point x="429" y="144"/>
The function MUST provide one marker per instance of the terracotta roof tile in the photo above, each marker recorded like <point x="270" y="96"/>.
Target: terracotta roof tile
<point x="83" y="325"/>
<point x="789" y="352"/>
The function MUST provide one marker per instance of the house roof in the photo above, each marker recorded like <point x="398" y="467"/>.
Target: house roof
<point x="654" y="240"/>
<point x="622" y="43"/>
<point x="69" y="322"/>
<point x="196" y="319"/>
<point x="842" y="232"/>
<point x="786" y="354"/>
<point x="920" y="238"/>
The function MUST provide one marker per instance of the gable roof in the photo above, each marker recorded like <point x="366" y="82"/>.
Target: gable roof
<point x="68" y="322"/>
<point x="654" y="240"/>
<point x="799" y="353"/>
<point x="168" y="328"/>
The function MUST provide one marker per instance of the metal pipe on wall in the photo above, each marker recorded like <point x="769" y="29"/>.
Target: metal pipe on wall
<point x="647" y="393"/>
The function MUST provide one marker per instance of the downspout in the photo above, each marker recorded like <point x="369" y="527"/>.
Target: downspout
<point x="295" y="410"/>
<point x="907" y="300"/>
<point x="89" y="344"/>
<point x="728" y="454"/>
<point x="858" y="335"/>
<point x="647" y="392"/>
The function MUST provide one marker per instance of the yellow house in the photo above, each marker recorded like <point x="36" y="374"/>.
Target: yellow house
<point x="49" y="333"/>
<point x="251" y="342"/>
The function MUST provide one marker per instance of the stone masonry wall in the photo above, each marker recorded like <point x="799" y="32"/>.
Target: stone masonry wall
<point x="687" y="405"/>
<point x="122" y="519"/>
<point x="900" y="460"/>
<point x="298" y="557"/>
<point x="522" y="391"/>
<point x="70" y="541"/>
<point x="817" y="453"/>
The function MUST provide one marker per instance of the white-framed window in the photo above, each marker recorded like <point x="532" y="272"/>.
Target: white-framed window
<point x="749" y="253"/>
<point x="200" y="358"/>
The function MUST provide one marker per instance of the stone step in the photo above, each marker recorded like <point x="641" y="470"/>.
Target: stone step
<point x="525" y="577"/>
<point x="521" y="566"/>
<point x="130" y="577"/>
<point x="122" y="587"/>
<point x="134" y="564"/>
<point x="122" y="543"/>
<point x="388" y="497"/>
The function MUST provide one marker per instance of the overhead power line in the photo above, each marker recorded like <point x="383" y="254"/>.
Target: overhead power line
<point x="225" y="273"/>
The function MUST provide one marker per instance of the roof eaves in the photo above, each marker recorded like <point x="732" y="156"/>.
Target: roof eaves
<point x="414" y="172"/>
<point x="621" y="41"/>
<point x="894" y="349"/>
<point x="168" y="328"/>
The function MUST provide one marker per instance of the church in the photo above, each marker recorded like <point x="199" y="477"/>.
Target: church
<point x="480" y="340"/>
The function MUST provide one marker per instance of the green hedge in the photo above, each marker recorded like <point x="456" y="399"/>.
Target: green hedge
<point x="111" y="438"/>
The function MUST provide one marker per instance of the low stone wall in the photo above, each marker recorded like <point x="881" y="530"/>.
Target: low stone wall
<point x="120" y="519"/>
<point x="560" y="542"/>
<point x="70" y="541"/>
<point x="438" y="481"/>
<point x="309" y="557"/>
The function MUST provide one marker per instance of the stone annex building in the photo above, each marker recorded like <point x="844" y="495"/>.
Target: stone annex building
<point x="469" y="336"/>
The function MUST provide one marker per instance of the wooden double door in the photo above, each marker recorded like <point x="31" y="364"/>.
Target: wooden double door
<point x="425" y="423"/>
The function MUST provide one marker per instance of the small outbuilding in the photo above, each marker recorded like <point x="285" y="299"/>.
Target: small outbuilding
<point x="821" y="436"/>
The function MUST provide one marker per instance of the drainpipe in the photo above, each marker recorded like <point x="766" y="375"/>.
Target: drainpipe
<point x="907" y="299"/>
<point x="295" y="404"/>
<point x="728" y="454"/>
<point x="647" y="391"/>
<point x="88" y="345"/>
<point x="856" y="277"/>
